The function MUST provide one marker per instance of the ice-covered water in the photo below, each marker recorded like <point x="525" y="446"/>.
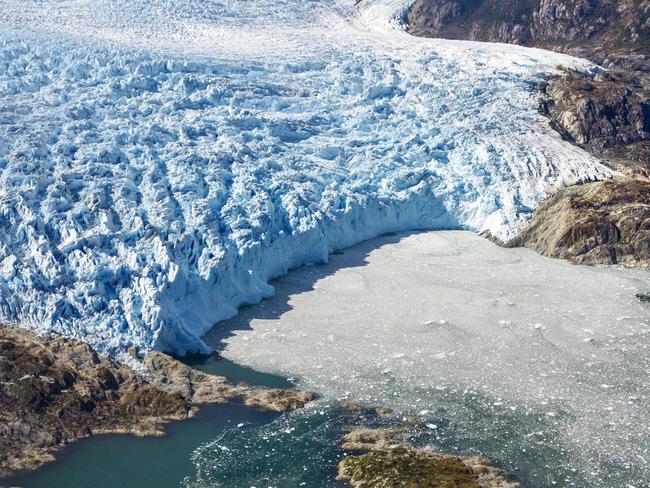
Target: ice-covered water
<point x="538" y="364"/>
<point x="162" y="160"/>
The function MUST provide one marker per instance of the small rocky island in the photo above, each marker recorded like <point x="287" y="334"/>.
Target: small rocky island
<point x="384" y="460"/>
<point x="55" y="390"/>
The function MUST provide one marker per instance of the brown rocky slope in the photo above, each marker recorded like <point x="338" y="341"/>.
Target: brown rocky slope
<point x="606" y="222"/>
<point x="604" y="30"/>
<point x="55" y="390"/>
<point x="607" y="113"/>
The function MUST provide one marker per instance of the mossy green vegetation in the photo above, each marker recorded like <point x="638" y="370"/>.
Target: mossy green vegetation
<point x="408" y="468"/>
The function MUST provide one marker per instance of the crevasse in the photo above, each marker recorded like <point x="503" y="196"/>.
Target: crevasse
<point x="162" y="161"/>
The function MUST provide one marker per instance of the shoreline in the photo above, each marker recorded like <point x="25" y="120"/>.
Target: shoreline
<point x="179" y="379"/>
<point x="55" y="391"/>
<point x="170" y="376"/>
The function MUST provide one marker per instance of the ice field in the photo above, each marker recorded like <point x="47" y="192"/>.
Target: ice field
<point x="161" y="161"/>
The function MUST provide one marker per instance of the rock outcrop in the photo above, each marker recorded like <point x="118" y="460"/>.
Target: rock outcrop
<point x="176" y="378"/>
<point x="360" y="408"/>
<point x="600" y="29"/>
<point x="391" y="463"/>
<point x="608" y="113"/>
<point x="55" y="390"/>
<point x="605" y="222"/>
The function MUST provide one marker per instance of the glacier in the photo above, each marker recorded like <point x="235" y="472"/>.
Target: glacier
<point x="161" y="161"/>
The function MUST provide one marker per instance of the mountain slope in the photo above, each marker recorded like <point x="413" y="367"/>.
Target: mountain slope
<point x="598" y="29"/>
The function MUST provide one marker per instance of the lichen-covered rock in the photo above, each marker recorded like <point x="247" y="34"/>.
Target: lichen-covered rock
<point x="605" y="222"/>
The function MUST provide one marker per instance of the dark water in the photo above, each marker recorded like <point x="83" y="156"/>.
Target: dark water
<point x="116" y="461"/>
<point x="299" y="449"/>
<point x="303" y="449"/>
<point x="234" y="372"/>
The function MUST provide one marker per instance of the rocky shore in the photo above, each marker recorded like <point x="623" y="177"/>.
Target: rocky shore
<point x="387" y="461"/>
<point x="605" y="112"/>
<point x="608" y="32"/>
<point x="605" y="222"/>
<point x="55" y="390"/>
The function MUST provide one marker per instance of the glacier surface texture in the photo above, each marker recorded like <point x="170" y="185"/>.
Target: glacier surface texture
<point x="161" y="161"/>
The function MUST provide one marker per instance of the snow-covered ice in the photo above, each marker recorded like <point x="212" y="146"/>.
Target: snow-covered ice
<point x="161" y="161"/>
<point x="532" y="395"/>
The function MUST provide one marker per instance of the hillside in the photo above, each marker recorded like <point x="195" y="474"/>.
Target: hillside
<point x="600" y="29"/>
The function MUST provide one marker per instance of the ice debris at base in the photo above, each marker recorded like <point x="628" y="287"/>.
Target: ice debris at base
<point x="533" y="397"/>
<point x="162" y="161"/>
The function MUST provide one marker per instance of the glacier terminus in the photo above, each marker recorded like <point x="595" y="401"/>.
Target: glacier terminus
<point x="161" y="162"/>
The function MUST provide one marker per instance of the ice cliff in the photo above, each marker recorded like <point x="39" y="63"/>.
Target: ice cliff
<point x="161" y="161"/>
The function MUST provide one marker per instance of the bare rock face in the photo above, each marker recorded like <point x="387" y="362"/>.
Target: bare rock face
<point x="55" y="390"/>
<point x="607" y="222"/>
<point x="609" y="113"/>
<point x="599" y="28"/>
<point x="485" y="20"/>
